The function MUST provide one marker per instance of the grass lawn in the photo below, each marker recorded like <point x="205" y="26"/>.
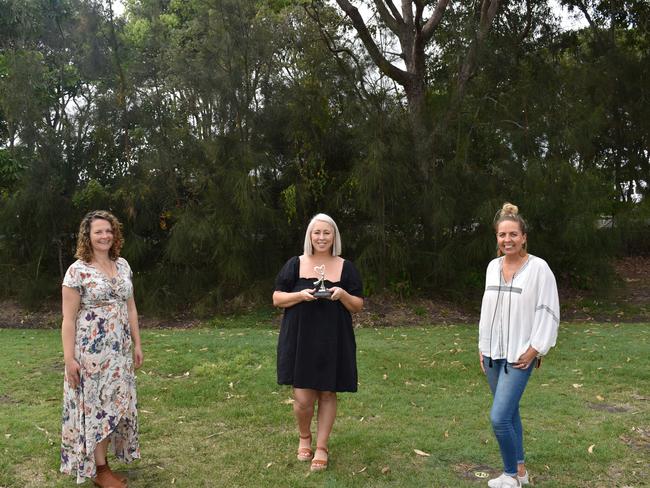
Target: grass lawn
<point x="212" y="415"/>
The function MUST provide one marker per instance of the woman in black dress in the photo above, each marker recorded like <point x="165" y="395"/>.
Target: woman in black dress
<point x="316" y="347"/>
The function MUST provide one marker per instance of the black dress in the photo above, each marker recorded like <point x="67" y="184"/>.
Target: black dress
<point x="316" y="347"/>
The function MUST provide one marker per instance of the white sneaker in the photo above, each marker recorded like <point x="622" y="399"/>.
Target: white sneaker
<point x="504" y="481"/>
<point x="523" y="480"/>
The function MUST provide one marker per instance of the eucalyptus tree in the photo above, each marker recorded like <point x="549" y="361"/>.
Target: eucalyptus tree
<point x="420" y="30"/>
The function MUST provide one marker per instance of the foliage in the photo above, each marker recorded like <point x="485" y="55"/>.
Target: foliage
<point x="216" y="128"/>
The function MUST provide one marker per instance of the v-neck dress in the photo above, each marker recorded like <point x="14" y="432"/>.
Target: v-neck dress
<point x="104" y="403"/>
<point x="316" y="346"/>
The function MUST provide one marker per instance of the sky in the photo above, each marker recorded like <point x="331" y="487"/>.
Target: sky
<point x="569" y="21"/>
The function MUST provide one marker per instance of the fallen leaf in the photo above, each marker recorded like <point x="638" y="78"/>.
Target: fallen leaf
<point x="362" y="469"/>
<point x="591" y="449"/>
<point x="212" y="435"/>
<point x="385" y="376"/>
<point x="421" y="453"/>
<point x="598" y="397"/>
<point x="446" y="434"/>
<point x="385" y="470"/>
<point x="577" y="385"/>
<point x="269" y="465"/>
<point x="288" y="401"/>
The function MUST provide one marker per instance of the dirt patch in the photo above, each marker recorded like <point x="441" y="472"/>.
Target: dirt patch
<point x="638" y="438"/>
<point x="476" y="472"/>
<point x="605" y="407"/>
<point x="5" y="399"/>
<point x="31" y="473"/>
<point x="385" y="310"/>
<point x="629" y="301"/>
<point x="15" y="316"/>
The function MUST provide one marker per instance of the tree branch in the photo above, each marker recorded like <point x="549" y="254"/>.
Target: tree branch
<point x="407" y="12"/>
<point x="434" y="20"/>
<point x="529" y="22"/>
<point x="386" y="67"/>
<point x="392" y="19"/>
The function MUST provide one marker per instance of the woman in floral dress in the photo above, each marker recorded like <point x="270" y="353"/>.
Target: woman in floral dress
<point x="101" y="347"/>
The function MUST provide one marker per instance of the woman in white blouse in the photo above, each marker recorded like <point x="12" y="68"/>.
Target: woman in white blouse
<point x="520" y="315"/>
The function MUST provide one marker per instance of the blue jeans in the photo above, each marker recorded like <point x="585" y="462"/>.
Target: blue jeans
<point x="507" y="389"/>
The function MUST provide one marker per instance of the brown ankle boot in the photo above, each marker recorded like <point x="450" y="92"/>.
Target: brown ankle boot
<point x="105" y="478"/>
<point x="119" y="477"/>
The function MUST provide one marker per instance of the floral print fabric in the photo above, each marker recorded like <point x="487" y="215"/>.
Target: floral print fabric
<point x="104" y="403"/>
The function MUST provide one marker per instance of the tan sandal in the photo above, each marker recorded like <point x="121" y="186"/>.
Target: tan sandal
<point x="305" y="453"/>
<point x="319" y="464"/>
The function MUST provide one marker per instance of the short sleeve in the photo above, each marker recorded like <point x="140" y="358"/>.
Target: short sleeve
<point x="353" y="283"/>
<point x="127" y="266"/>
<point x="286" y="278"/>
<point x="72" y="278"/>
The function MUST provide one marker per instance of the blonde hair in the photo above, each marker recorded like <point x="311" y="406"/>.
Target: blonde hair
<point x="85" y="248"/>
<point x="321" y="217"/>
<point x="510" y="212"/>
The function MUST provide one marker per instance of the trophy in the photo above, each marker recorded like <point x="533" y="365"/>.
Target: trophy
<point x="322" y="292"/>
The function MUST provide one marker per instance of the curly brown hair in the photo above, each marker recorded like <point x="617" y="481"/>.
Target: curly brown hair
<point x="84" y="247"/>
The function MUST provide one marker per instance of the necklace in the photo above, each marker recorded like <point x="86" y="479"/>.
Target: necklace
<point x="108" y="271"/>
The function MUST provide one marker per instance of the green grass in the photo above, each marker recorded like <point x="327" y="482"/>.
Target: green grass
<point x="212" y="415"/>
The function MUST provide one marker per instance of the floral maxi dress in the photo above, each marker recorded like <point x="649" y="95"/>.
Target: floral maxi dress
<point x="104" y="403"/>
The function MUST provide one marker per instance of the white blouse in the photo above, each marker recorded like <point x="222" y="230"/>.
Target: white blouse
<point x="519" y="314"/>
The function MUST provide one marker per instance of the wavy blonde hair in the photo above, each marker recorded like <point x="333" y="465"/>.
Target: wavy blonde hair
<point x="85" y="248"/>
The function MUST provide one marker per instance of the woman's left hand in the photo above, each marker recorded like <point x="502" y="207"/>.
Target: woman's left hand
<point x="526" y="359"/>
<point x="337" y="292"/>
<point x="138" y="357"/>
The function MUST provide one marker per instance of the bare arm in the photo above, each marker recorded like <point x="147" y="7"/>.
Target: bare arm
<point x="70" y="300"/>
<point x="138" y="357"/>
<point x="352" y="302"/>
<point x="284" y="299"/>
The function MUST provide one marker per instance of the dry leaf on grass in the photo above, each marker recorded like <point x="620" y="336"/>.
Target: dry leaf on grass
<point x="421" y="453"/>
<point x="591" y="449"/>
